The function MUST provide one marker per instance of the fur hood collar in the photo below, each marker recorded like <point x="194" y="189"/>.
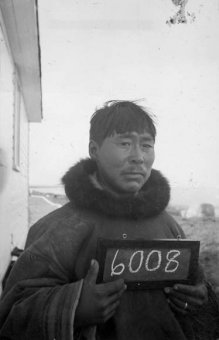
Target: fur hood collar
<point x="151" y="200"/>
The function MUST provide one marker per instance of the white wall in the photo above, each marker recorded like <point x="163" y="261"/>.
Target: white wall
<point x="13" y="184"/>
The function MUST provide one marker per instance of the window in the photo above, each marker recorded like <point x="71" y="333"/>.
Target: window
<point x="16" y="126"/>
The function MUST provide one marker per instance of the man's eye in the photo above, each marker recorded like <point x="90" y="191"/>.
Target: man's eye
<point x="125" y="143"/>
<point x="146" y="146"/>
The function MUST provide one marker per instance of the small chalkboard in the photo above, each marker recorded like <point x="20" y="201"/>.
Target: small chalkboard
<point x="148" y="264"/>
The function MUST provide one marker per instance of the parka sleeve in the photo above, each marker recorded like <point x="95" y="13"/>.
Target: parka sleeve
<point x="43" y="291"/>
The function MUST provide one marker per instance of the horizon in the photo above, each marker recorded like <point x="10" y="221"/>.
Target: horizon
<point x="180" y="195"/>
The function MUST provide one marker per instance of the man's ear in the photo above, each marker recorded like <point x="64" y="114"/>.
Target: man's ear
<point x="93" y="149"/>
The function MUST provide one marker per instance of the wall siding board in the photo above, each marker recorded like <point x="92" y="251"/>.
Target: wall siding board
<point x="13" y="184"/>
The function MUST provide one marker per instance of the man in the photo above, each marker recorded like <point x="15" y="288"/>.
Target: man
<point x="52" y="291"/>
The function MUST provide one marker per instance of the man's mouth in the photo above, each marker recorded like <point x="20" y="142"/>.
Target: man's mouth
<point x="134" y="173"/>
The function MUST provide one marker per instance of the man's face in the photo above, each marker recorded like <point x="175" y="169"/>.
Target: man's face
<point x="124" y="161"/>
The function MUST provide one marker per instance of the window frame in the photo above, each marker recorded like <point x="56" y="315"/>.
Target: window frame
<point x="16" y="125"/>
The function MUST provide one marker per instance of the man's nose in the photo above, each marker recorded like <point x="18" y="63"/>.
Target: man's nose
<point x="136" y="154"/>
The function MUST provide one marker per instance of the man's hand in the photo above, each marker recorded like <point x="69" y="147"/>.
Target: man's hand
<point x="98" y="302"/>
<point x="186" y="298"/>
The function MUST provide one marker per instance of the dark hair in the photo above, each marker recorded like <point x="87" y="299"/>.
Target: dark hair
<point x="118" y="116"/>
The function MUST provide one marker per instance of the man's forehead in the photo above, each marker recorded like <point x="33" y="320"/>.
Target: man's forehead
<point x="145" y="135"/>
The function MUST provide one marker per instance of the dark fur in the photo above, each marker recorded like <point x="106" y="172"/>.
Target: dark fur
<point x="150" y="201"/>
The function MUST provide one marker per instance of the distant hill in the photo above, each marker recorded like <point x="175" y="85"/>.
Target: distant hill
<point x="190" y="196"/>
<point x="41" y="204"/>
<point x="46" y="189"/>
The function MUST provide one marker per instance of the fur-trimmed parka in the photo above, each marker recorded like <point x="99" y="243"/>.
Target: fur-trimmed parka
<point x="44" y="287"/>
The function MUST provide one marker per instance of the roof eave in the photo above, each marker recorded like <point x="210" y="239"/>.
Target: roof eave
<point x="21" y="24"/>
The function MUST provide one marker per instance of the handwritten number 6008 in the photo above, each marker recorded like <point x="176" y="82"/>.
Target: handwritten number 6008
<point x="171" y="263"/>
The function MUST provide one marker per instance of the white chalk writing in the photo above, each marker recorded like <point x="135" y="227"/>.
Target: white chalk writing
<point x="153" y="261"/>
<point x="140" y="263"/>
<point x="171" y="260"/>
<point x="114" y="268"/>
<point x="148" y="259"/>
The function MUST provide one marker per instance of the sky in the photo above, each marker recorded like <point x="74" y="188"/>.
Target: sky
<point x="94" y="51"/>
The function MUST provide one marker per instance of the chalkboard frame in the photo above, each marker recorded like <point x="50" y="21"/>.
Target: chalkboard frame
<point x="104" y="244"/>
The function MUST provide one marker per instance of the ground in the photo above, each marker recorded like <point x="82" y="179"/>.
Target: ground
<point x="207" y="231"/>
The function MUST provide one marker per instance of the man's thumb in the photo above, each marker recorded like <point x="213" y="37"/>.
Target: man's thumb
<point x="92" y="273"/>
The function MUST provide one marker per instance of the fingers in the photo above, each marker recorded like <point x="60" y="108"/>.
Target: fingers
<point x="116" y="296"/>
<point x="92" y="273"/>
<point x="183" y="298"/>
<point x="98" y="302"/>
<point x="194" y="294"/>
<point x="110" y="311"/>
<point x="109" y="297"/>
<point x="178" y="306"/>
<point x="113" y="287"/>
<point x="199" y="291"/>
<point x="183" y="305"/>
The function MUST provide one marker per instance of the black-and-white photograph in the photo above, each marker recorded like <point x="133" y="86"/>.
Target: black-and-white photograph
<point x="109" y="171"/>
